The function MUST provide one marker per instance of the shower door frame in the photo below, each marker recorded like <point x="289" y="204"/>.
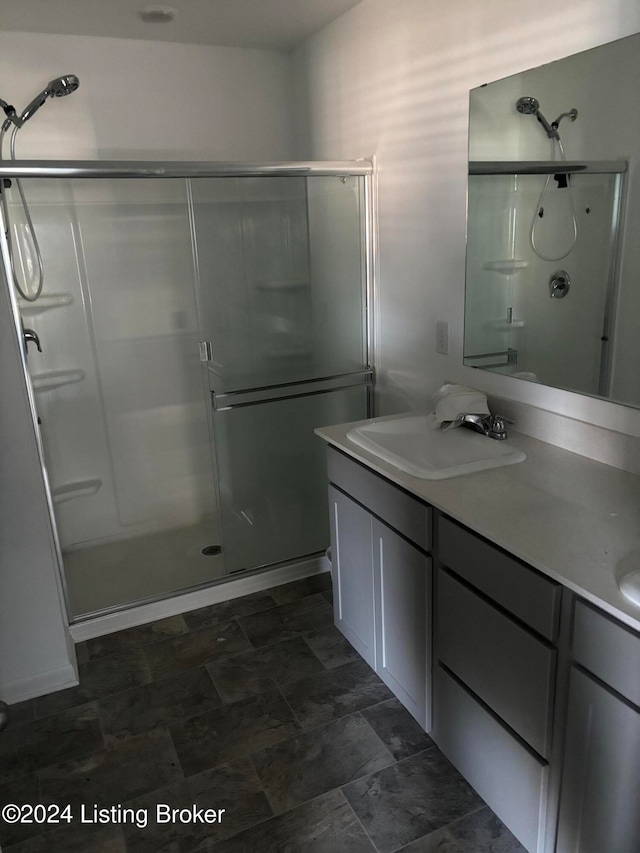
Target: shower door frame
<point x="136" y="169"/>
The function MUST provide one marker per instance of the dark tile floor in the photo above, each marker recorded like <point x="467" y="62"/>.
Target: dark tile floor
<point x="258" y="707"/>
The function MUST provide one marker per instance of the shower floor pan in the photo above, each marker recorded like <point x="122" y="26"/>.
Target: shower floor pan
<point x="115" y="574"/>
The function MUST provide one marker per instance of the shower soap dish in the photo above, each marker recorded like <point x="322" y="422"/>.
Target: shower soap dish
<point x="506" y="267"/>
<point x="77" y="489"/>
<point x="56" y="378"/>
<point x="44" y="302"/>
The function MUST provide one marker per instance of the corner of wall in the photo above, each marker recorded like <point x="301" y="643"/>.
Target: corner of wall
<point x="36" y="651"/>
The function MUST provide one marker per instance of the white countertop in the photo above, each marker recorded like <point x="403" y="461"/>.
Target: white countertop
<point x="574" y="519"/>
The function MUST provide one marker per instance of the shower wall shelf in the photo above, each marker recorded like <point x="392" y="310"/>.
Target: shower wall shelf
<point x="45" y="302"/>
<point x="76" y="489"/>
<point x="56" y="379"/>
<point x="508" y="267"/>
<point x="492" y="359"/>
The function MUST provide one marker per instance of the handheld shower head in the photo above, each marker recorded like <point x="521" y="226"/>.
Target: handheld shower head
<point x="54" y="89"/>
<point x="62" y="86"/>
<point x="527" y="106"/>
<point x="531" y="107"/>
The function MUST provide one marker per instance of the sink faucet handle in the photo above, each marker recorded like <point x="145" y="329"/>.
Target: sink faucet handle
<point x="497" y="428"/>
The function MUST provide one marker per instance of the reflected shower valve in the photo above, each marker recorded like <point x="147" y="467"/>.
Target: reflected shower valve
<point x="559" y="284"/>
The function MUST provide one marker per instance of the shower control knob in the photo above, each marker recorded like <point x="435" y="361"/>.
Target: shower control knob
<point x="559" y="284"/>
<point x="31" y="337"/>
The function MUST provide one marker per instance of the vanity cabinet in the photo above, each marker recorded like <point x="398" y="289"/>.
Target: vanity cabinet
<point x="535" y="693"/>
<point x="381" y="575"/>
<point x="600" y="792"/>
<point x="497" y="623"/>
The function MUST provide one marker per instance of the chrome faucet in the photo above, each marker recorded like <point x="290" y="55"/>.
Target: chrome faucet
<point x="493" y="426"/>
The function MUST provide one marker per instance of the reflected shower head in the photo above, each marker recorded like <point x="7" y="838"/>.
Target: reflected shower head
<point x="528" y="106"/>
<point x="57" y="88"/>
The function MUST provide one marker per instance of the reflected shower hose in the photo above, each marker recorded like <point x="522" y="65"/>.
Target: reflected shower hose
<point x="540" y="207"/>
<point x="30" y="230"/>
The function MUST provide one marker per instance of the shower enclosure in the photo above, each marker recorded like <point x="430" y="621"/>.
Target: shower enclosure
<point x="197" y="321"/>
<point x="542" y="252"/>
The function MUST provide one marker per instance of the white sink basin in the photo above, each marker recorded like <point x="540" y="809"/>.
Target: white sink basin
<point x="411" y="444"/>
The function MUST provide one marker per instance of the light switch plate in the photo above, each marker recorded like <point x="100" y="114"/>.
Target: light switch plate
<point x="442" y="337"/>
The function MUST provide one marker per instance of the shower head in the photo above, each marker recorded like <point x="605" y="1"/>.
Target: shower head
<point x="64" y="85"/>
<point x="528" y="106"/>
<point x="57" y="88"/>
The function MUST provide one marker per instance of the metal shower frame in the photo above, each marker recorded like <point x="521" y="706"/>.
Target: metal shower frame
<point x="136" y="169"/>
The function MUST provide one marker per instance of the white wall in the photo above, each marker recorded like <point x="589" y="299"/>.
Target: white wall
<point x="392" y="79"/>
<point x="148" y="100"/>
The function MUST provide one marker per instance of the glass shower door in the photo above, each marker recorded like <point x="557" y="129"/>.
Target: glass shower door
<point x="118" y="388"/>
<point x="272" y="474"/>
<point x="282" y="318"/>
<point x="281" y="294"/>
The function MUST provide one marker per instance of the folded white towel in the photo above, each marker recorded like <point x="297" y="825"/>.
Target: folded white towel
<point x="454" y="401"/>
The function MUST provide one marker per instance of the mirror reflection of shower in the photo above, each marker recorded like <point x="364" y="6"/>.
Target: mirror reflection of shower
<point x="57" y="88"/>
<point x="528" y="105"/>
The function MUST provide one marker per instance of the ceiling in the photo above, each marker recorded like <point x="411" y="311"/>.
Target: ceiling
<point x="267" y="24"/>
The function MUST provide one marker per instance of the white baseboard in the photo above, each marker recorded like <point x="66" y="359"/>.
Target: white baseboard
<point x="37" y="685"/>
<point x="141" y="615"/>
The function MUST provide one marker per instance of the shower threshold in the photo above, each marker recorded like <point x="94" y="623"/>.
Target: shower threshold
<point x="227" y="588"/>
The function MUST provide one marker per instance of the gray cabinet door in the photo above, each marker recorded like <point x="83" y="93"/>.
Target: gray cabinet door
<point x="600" y="795"/>
<point x="401" y="575"/>
<point x="352" y="568"/>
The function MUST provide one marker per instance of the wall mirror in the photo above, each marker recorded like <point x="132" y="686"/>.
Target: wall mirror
<point x="553" y="254"/>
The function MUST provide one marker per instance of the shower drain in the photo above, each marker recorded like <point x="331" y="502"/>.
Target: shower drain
<point x="212" y="550"/>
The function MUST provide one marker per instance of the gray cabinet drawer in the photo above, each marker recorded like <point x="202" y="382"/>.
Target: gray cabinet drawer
<point x="394" y="506"/>
<point x="608" y="649"/>
<point x="524" y="592"/>
<point x="504" y="664"/>
<point x="510" y="778"/>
